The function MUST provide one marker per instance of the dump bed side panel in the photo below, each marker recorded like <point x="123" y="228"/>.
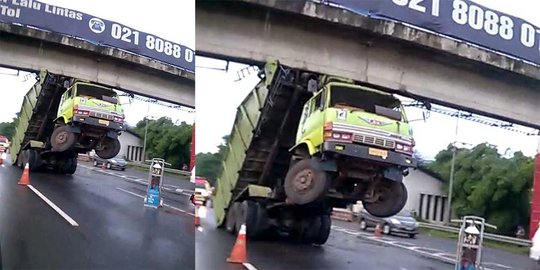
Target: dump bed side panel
<point x="38" y="111"/>
<point x="247" y="117"/>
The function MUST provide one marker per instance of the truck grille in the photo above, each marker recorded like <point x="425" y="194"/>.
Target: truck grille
<point x="102" y="115"/>
<point x="366" y="139"/>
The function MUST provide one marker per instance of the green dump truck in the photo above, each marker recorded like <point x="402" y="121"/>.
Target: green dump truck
<point x="62" y="117"/>
<point x="303" y="143"/>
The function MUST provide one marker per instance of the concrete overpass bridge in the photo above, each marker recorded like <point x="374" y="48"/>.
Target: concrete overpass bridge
<point x="30" y="49"/>
<point x="390" y="56"/>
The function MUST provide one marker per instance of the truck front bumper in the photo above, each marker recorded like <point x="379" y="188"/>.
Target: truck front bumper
<point x="108" y="124"/>
<point x="366" y="152"/>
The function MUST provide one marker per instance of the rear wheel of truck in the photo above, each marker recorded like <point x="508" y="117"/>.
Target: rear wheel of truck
<point x="304" y="183"/>
<point x="247" y="214"/>
<point x="109" y="148"/>
<point x="230" y="219"/>
<point x="70" y="166"/>
<point x="324" y="230"/>
<point x="34" y="160"/>
<point x="62" y="139"/>
<point x="392" y="198"/>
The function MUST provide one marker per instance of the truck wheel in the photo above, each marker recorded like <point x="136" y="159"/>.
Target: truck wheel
<point x="110" y="148"/>
<point x="21" y="159"/>
<point x="304" y="183"/>
<point x="34" y="161"/>
<point x="310" y="231"/>
<point x="324" y="230"/>
<point x="393" y="196"/>
<point x="62" y="139"/>
<point x="247" y="214"/>
<point x="70" y="166"/>
<point x="230" y="220"/>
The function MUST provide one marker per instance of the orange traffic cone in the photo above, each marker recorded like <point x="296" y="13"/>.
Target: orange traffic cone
<point x="378" y="230"/>
<point x="238" y="254"/>
<point x="197" y="219"/>
<point x="25" y="178"/>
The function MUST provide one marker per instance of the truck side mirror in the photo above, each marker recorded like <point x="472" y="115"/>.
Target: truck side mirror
<point x="312" y="86"/>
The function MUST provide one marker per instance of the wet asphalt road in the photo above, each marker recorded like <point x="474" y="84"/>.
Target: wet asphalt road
<point x="115" y="230"/>
<point x="492" y="258"/>
<point x="341" y="251"/>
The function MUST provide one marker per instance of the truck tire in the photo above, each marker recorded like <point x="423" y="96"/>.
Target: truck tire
<point x="62" y="139"/>
<point x="111" y="148"/>
<point x="392" y="200"/>
<point x="230" y="220"/>
<point x="304" y="183"/>
<point x="34" y="160"/>
<point x="324" y="230"/>
<point x="247" y="214"/>
<point x="310" y="229"/>
<point x="70" y="166"/>
<point x="21" y="159"/>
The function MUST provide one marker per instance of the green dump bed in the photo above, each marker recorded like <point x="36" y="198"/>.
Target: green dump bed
<point x="38" y="112"/>
<point x="264" y="130"/>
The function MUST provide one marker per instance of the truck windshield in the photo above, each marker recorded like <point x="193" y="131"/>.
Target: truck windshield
<point x="358" y="99"/>
<point x="97" y="92"/>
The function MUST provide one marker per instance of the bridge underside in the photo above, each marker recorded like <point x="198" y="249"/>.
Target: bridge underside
<point x="132" y="74"/>
<point x="254" y="33"/>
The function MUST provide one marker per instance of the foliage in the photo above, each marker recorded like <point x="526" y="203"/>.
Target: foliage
<point x="8" y="128"/>
<point x="165" y="139"/>
<point x="209" y="164"/>
<point x="488" y="185"/>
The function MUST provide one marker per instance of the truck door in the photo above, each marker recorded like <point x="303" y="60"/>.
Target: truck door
<point x="66" y="105"/>
<point x="313" y="125"/>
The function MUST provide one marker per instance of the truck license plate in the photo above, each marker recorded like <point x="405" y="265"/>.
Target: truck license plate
<point x="104" y="122"/>
<point x="378" y="152"/>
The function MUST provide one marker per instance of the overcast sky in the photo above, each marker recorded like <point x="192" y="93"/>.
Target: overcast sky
<point x="170" y="19"/>
<point x="218" y="96"/>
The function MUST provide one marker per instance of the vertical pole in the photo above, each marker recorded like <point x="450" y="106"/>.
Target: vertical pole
<point x="192" y="158"/>
<point x="535" y="198"/>
<point x="451" y="183"/>
<point x="144" y="144"/>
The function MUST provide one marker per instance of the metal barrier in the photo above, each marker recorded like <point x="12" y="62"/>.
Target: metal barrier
<point x="490" y="236"/>
<point x="342" y="214"/>
<point x="147" y="166"/>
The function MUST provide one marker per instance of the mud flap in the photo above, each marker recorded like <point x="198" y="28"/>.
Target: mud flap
<point x="393" y="174"/>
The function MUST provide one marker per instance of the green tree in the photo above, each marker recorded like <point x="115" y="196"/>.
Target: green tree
<point x="489" y="185"/>
<point x="8" y="128"/>
<point x="165" y="139"/>
<point x="209" y="165"/>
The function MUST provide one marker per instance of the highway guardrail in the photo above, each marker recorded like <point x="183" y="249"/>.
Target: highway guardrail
<point x="147" y="166"/>
<point x="490" y="236"/>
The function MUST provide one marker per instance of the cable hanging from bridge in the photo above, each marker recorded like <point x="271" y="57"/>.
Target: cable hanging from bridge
<point x="157" y="102"/>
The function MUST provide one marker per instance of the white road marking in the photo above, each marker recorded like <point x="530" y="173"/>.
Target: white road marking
<point x="249" y="266"/>
<point x="167" y="205"/>
<point x="56" y="208"/>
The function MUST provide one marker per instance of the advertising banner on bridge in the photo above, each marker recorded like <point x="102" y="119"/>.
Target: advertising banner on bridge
<point x="96" y="30"/>
<point x="461" y="19"/>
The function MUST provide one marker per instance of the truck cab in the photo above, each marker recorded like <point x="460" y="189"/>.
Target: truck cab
<point x="89" y="117"/>
<point x="361" y="139"/>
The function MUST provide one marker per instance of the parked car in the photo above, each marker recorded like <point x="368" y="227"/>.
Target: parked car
<point x="111" y="163"/>
<point x="402" y="223"/>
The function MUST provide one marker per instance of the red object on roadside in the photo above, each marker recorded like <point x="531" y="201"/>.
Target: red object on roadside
<point x="535" y="204"/>
<point x="192" y="159"/>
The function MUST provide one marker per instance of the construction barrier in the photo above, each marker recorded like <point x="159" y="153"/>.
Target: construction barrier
<point x="342" y="214"/>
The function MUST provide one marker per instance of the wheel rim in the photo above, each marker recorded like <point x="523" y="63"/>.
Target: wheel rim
<point x="61" y="137"/>
<point x="303" y="181"/>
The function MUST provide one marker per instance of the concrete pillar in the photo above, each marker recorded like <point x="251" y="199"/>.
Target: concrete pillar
<point x="535" y="203"/>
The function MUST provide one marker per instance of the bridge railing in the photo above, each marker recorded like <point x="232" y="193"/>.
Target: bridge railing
<point x="490" y="236"/>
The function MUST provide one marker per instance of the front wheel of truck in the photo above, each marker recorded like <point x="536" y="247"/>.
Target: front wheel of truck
<point x="391" y="198"/>
<point x="304" y="183"/>
<point x="70" y="166"/>
<point x="109" y="148"/>
<point x="62" y="139"/>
